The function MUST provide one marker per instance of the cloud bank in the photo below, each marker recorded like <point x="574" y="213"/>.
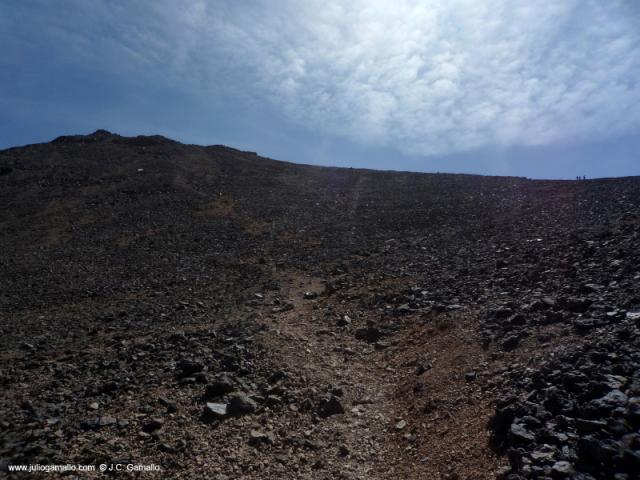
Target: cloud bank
<point x="424" y="77"/>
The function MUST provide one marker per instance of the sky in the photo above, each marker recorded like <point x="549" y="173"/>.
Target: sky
<point x="541" y="89"/>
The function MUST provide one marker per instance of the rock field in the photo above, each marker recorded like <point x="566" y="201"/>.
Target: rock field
<point x="227" y="316"/>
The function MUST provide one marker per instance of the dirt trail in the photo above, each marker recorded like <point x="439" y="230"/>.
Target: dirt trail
<point x="399" y="420"/>
<point x="329" y="357"/>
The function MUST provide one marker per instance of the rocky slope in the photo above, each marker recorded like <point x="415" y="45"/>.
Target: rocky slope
<point x="224" y="315"/>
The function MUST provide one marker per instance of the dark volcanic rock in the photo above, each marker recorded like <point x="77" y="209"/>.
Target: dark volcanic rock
<point x="579" y="401"/>
<point x="219" y="386"/>
<point x="370" y="334"/>
<point x="187" y="368"/>
<point x="241" y="404"/>
<point x="153" y="425"/>
<point x="330" y="406"/>
<point x="135" y="270"/>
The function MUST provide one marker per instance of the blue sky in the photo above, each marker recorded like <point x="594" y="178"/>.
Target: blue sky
<point x="545" y="89"/>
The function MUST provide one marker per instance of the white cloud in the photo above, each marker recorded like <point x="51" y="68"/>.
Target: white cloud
<point x="425" y="77"/>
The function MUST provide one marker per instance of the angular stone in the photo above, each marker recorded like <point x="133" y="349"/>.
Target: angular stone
<point x="562" y="469"/>
<point x="369" y="334"/>
<point x="187" y="368"/>
<point x="241" y="404"/>
<point x="215" y="411"/>
<point x="519" y="434"/>
<point x="257" y="437"/>
<point x="330" y="406"/>
<point x="219" y="386"/>
<point x="510" y="342"/>
<point x="153" y="425"/>
<point x="615" y="398"/>
<point x="106" y="421"/>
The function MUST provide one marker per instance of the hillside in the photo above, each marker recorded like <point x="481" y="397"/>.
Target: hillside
<point x="224" y="315"/>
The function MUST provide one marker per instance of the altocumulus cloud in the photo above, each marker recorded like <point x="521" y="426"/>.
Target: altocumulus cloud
<point x="426" y="77"/>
